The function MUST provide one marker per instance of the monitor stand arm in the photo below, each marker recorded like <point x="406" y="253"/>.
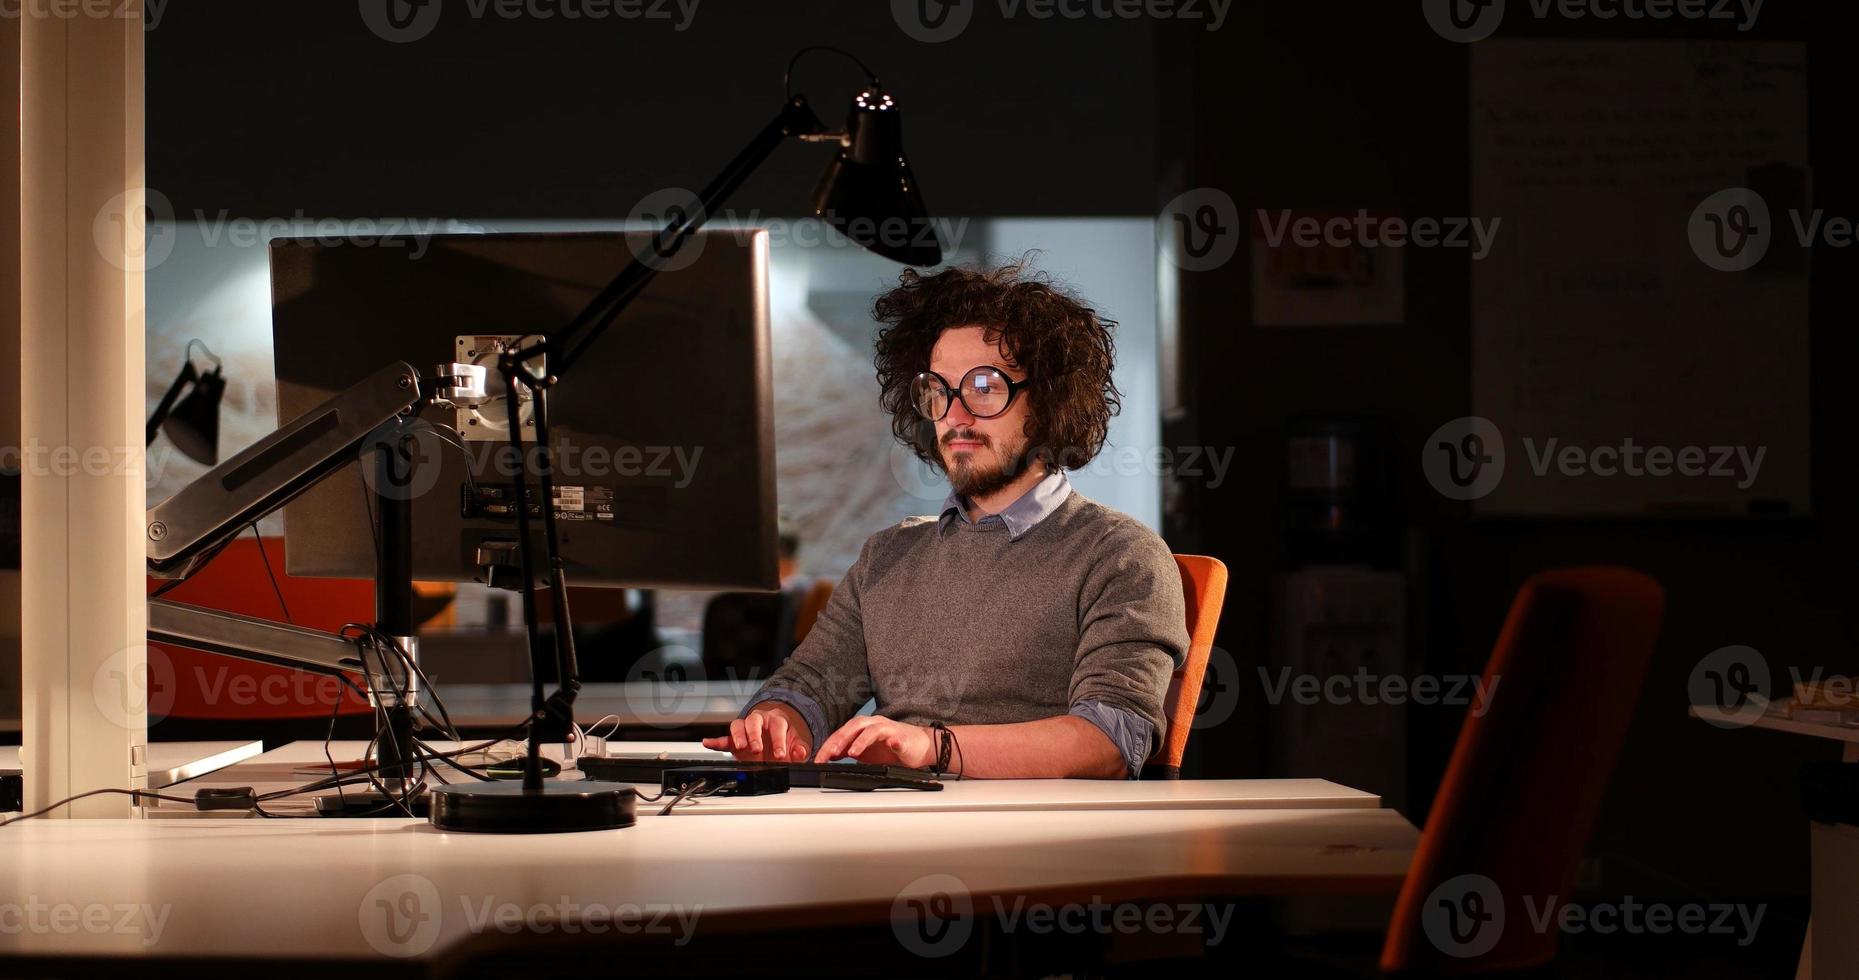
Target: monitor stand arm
<point x="185" y="531"/>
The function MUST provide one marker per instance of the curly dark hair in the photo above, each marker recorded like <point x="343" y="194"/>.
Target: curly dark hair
<point x="1064" y="346"/>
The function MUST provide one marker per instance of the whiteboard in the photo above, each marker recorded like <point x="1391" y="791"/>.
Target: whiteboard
<point x="1595" y="323"/>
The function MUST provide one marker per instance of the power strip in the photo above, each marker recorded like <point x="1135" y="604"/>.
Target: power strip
<point x="727" y="780"/>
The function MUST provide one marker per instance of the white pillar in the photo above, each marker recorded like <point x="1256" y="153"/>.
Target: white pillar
<point x="9" y="366"/>
<point x="83" y="610"/>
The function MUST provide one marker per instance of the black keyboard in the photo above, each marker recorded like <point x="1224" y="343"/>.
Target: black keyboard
<point x="650" y="769"/>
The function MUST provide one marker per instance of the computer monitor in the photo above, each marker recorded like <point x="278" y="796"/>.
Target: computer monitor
<point x="663" y="434"/>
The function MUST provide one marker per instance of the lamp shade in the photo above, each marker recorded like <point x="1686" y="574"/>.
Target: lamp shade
<point x="868" y="192"/>
<point x="193" y="426"/>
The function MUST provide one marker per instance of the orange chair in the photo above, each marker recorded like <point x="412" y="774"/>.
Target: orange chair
<point x="810" y="606"/>
<point x="1516" y="807"/>
<point x="196" y="685"/>
<point x="1203" y="585"/>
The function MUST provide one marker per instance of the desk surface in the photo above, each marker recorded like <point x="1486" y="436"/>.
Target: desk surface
<point x="275" y="770"/>
<point x="1773" y="722"/>
<point x="281" y="890"/>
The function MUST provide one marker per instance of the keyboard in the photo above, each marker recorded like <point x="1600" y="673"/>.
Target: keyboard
<point x="650" y="769"/>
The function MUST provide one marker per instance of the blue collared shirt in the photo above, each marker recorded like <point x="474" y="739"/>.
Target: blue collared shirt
<point x="1023" y="514"/>
<point x="1132" y="734"/>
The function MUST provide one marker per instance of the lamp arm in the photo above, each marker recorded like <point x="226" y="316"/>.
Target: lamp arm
<point x="796" y="119"/>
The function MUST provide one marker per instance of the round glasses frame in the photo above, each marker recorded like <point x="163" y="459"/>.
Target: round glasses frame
<point x="951" y="394"/>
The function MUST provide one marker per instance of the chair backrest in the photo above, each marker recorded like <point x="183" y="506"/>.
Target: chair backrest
<point x="1517" y="805"/>
<point x="194" y="684"/>
<point x="743" y="633"/>
<point x="811" y="605"/>
<point x="1203" y="586"/>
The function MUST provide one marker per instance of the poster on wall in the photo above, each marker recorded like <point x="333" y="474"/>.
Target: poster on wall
<point x="1329" y="267"/>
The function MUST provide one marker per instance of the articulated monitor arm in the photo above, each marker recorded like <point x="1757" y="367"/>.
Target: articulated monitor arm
<point x="185" y="531"/>
<point x="188" y="528"/>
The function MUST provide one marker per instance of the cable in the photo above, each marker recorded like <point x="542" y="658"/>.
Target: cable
<point x="787" y="79"/>
<point x="137" y="794"/>
<point x="682" y="794"/>
<point x="268" y="574"/>
<point x="337" y="780"/>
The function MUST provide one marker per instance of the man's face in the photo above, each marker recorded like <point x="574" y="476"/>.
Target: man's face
<point x="981" y="456"/>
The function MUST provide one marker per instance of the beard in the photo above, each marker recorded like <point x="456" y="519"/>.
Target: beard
<point x="973" y="474"/>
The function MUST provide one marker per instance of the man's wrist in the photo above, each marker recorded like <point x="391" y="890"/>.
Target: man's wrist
<point x="940" y="740"/>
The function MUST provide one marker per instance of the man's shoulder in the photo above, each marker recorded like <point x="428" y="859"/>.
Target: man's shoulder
<point x="1087" y="522"/>
<point x="898" y="537"/>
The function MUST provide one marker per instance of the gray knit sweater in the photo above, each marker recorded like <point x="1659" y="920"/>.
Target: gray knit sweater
<point x="944" y="620"/>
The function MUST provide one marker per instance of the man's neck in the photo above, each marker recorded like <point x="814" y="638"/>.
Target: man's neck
<point x="993" y="503"/>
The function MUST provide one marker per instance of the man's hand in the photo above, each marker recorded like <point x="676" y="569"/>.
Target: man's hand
<point x="879" y="741"/>
<point x="773" y="732"/>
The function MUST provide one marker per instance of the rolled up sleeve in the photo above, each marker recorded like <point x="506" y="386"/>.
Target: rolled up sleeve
<point x="1133" y="736"/>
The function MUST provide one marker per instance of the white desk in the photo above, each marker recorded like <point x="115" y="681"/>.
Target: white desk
<point x="396" y="893"/>
<point x="373" y="890"/>
<point x="1777" y="722"/>
<point x="173" y="762"/>
<point x="274" y="771"/>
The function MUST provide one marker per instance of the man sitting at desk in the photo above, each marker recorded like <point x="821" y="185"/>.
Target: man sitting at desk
<point x="1024" y="631"/>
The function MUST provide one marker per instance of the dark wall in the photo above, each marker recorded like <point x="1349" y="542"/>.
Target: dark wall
<point x="1351" y="105"/>
<point x="266" y="108"/>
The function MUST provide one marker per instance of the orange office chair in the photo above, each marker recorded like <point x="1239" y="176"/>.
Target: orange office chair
<point x="1203" y="585"/>
<point x="810" y="606"/>
<point x="194" y="686"/>
<point x="1518" y="801"/>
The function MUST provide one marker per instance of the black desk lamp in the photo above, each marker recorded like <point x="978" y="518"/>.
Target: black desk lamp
<point x="868" y="194"/>
<point x="192" y="425"/>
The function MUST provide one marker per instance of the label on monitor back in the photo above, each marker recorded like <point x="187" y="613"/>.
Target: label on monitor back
<point x="583" y="503"/>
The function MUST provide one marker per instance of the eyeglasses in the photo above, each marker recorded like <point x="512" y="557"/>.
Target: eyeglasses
<point x="984" y="391"/>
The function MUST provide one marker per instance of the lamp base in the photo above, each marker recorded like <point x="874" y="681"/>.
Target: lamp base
<point x="558" y="808"/>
